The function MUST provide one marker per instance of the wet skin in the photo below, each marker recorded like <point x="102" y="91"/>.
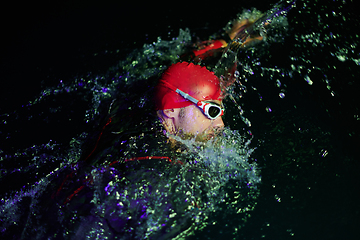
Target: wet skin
<point x="190" y="121"/>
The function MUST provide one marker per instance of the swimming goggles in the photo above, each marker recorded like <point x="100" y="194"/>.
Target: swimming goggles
<point x="210" y="110"/>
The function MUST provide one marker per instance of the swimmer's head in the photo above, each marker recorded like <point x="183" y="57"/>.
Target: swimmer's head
<point x="185" y="115"/>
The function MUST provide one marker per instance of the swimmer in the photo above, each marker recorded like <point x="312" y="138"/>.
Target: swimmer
<point x="188" y="101"/>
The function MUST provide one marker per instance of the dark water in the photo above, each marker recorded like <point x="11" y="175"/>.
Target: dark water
<point x="301" y="101"/>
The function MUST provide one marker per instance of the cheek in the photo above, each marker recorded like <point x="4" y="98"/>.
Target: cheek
<point x="195" y="121"/>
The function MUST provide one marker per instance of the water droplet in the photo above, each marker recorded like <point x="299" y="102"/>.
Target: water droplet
<point x="290" y="231"/>
<point x="308" y="80"/>
<point x="278" y="199"/>
<point x="281" y="95"/>
<point x="324" y="153"/>
<point x="341" y="58"/>
<point x="278" y="83"/>
<point x="236" y="74"/>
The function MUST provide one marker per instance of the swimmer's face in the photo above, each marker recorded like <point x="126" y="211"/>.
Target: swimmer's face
<point x="190" y="121"/>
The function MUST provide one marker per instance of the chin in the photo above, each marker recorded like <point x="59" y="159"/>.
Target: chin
<point x="210" y="134"/>
<point x="205" y="136"/>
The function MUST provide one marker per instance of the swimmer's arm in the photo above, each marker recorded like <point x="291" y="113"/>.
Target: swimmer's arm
<point x="239" y="26"/>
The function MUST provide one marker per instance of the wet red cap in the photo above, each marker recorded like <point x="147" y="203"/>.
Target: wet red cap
<point x="192" y="79"/>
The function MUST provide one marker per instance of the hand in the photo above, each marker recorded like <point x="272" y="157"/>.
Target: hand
<point x="239" y="26"/>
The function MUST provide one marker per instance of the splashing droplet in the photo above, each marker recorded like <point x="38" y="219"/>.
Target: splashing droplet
<point x="278" y="83"/>
<point x="308" y="80"/>
<point x="236" y="74"/>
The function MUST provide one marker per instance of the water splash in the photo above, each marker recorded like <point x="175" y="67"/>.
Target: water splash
<point x="179" y="196"/>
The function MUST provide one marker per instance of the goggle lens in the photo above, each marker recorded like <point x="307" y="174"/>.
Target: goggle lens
<point x="214" y="111"/>
<point x="210" y="109"/>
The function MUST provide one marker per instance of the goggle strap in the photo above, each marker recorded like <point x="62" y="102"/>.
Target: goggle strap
<point x="183" y="94"/>
<point x="187" y="96"/>
<point x="168" y="85"/>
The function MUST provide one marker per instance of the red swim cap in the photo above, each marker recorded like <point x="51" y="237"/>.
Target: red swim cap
<point x="192" y="79"/>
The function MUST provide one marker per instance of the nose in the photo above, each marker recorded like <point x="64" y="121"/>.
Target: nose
<point x="218" y="123"/>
